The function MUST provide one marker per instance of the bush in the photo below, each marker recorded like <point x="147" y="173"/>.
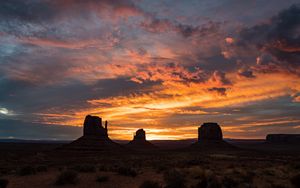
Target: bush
<point x="174" y="179"/>
<point x="150" y="184"/>
<point x="85" y="168"/>
<point x="101" y="179"/>
<point x="211" y="181"/>
<point x="3" y="183"/>
<point x="67" y="177"/>
<point x="296" y="180"/>
<point x="26" y="170"/>
<point x="126" y="171"/>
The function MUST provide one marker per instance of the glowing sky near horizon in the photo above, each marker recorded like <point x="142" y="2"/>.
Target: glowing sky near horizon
<point x="165" y="66"/>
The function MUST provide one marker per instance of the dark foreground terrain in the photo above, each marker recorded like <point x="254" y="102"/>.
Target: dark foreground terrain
<point x="253" y="164"/>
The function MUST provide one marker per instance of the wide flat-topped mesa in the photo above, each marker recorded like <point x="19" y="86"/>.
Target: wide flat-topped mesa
<point x="210" y="138"/>
<point x="283" y="138"/>
<point x="210" y="131"/>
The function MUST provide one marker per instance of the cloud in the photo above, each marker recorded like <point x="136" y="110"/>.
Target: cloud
<point x="27" y="130"/>
<point x="246" y="73"/>
<point x="219" y="90"/>
<point x="156" y="25"/>
<point x="6" y="112"/>
<point x="296" y="99"/>
<point x="55" y="21"/>
<point x="29" y="11"/>
<point x="61" y="97"/>
<point x="219" y="77"/>
<point x="48" y="10"/>
<point x="169" y="72"/>
<point x="279" y="37"/>
<point x="135" y="64"/>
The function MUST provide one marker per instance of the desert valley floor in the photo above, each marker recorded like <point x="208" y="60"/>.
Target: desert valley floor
<point x="250" y="164"/>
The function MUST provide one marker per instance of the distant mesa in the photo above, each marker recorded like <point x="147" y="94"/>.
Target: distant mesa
<point x="95" y="137"/>
<point x="210" y="137"/>
<point x="92" y="126"/>
<point x="139" y="141"/>
<point x="140" y="135"/>
<point x="210" y="131"/>
<point x="283" y="138"/>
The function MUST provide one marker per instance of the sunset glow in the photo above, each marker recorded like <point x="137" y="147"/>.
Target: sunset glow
<point x="140" y="64"/>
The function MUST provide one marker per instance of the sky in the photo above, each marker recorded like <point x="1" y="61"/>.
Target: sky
<point x="166" y="66"/>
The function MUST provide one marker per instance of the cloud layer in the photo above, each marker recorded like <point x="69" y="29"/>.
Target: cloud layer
<point x="142" y="64"/>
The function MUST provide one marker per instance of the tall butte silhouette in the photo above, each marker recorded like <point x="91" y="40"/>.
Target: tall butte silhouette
<point x="95" y="137"/>
<point x="210" y="137"/>
<point x="139" y="141"/>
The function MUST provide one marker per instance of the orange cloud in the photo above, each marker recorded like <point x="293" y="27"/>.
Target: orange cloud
<point x="151" y="110"/>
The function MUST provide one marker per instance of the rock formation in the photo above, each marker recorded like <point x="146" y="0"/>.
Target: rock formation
<point x="210" y="131"/>
<point x="93" y="127"/>
<point x="139" y="141"/>
<point x="210" y="137"/>
<point x="95" y="137"/>
<point x="283" y="138"/>
<point x="140" y="135"/>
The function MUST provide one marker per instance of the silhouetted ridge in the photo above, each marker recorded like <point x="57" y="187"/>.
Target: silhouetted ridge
<point x="139" y="141"/>
<point x="283" y="138"/>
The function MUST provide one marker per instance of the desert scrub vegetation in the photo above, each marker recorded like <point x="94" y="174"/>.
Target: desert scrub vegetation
<point x="101" y="179"/>
<point x="210" y="181"/>
<point x="150" y="184"/>
<point x="127" y="171"/>
<point x="67" y="177"/>
<point x="195" y="172"/>
<point x="26" y="170"/>
<point x="86" y="168"/>
<point x="3" y="183"/>
<point x="174" y="179"/>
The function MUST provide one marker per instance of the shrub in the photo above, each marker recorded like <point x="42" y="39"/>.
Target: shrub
<point x="126" y="171"/>
<point x="101" y="179"/>
<point x="85" y="168"/>
<point x="295" y="180"/>
<point x="196" y="172"/>
<point x="210" y="181"/>
<point x="174" y="179"/>
<point x="26" y="170"/>
<point x="67" y="177"/>
<point x="3" y="183"/>
<point x="150" y="184"/>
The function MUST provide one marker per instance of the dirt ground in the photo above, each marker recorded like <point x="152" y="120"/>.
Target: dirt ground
<point x="41" y="167"/>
